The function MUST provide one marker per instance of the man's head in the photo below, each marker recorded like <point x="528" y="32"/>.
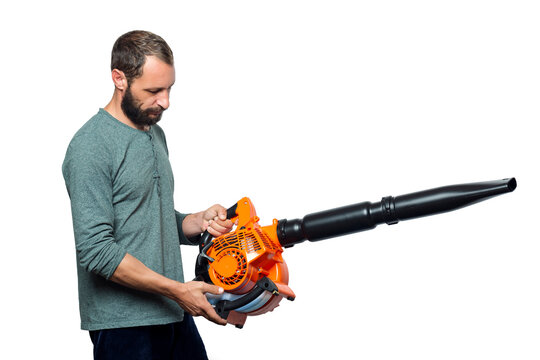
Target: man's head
<point x="142" y="65"/>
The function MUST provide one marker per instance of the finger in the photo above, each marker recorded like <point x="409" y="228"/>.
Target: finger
<point x="211" y="213"/>
<point x="225" y="223"/>
<point x="208" y="311"/>
<point x="218" y="228"/>
<point x="205" y="225"/>
<point x="214" y="232"/>
<point x="211" y="314"/>
<point x="222" y="213"/>
<point x="212" y="289"/>
<point x="219" y="212"/>
<point x="217" y="233"/>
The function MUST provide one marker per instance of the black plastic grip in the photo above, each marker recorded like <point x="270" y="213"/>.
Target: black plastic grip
<point x="231" y="212"/>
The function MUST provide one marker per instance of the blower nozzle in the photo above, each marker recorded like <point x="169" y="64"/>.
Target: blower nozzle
<point x="390" y="210"/>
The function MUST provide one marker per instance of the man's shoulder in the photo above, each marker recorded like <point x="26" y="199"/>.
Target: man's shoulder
<point x="97" y="132"/>
<point x="93" y="141"/>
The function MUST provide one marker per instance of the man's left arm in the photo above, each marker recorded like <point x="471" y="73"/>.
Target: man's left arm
<point x="214" y="219"/>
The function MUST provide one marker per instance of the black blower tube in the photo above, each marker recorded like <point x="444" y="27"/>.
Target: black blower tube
<point x="390" y="210"/>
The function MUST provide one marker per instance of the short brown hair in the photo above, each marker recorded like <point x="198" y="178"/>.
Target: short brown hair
<point x="131" y="49"/>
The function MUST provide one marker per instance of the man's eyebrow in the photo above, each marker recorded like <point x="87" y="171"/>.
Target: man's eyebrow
<point x="158" y="88"/>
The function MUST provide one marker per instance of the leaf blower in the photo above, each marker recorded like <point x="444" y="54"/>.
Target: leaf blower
<point x="248" y="264"/>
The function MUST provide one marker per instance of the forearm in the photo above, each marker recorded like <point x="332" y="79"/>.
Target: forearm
<point x="190" y="296"/>
<point x="134" y="274"/>
<point x="193" y="225"/>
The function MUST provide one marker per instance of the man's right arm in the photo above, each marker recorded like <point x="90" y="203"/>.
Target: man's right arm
<point x="190" y="296"/>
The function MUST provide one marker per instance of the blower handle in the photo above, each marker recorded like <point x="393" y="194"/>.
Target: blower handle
<point x="224" y="307"/>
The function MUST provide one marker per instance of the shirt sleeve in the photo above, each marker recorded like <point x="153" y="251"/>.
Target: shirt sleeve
<point x="88" y="180"/>
<point x="194" y="240"/>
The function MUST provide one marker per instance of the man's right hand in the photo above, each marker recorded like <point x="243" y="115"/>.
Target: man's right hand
<point x="190" y="296"/>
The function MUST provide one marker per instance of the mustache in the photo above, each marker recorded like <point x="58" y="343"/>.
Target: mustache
<point x="158" y="110"/>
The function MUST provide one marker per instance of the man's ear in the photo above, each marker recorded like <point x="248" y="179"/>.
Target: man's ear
<point x="119" y="80"/>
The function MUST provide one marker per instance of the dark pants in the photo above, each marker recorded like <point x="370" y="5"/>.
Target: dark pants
<point x="172" y="342"/>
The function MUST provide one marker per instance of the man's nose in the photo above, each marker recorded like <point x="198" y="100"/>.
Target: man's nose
<point x="163" y="100"/>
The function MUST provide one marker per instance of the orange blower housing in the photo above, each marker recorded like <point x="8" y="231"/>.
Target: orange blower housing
<point x="247" y="264"/>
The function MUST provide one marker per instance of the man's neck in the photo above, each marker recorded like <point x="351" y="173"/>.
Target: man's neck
<point x="115" y="109"/>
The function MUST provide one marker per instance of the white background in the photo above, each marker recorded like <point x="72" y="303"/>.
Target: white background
<point x="302" y="106"/>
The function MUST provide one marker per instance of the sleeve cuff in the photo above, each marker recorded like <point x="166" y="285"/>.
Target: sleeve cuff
<point x="194" y="240"/>
<point x="114" y="263"/>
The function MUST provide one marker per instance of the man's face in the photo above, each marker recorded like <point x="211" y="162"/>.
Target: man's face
<point x="147" y="96"/>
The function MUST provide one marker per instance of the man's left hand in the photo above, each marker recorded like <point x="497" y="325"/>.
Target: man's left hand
<point x="215" y="221"/>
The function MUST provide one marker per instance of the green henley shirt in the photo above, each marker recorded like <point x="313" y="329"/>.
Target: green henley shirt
<point x="120" y="183"/>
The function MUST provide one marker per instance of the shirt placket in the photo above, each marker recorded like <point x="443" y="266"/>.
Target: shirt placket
<point x="155" y="175"/>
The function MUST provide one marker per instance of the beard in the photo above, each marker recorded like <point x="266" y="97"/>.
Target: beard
<point x="132" y="108"/>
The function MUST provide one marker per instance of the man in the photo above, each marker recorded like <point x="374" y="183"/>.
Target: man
<point x="132" y="295"/>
